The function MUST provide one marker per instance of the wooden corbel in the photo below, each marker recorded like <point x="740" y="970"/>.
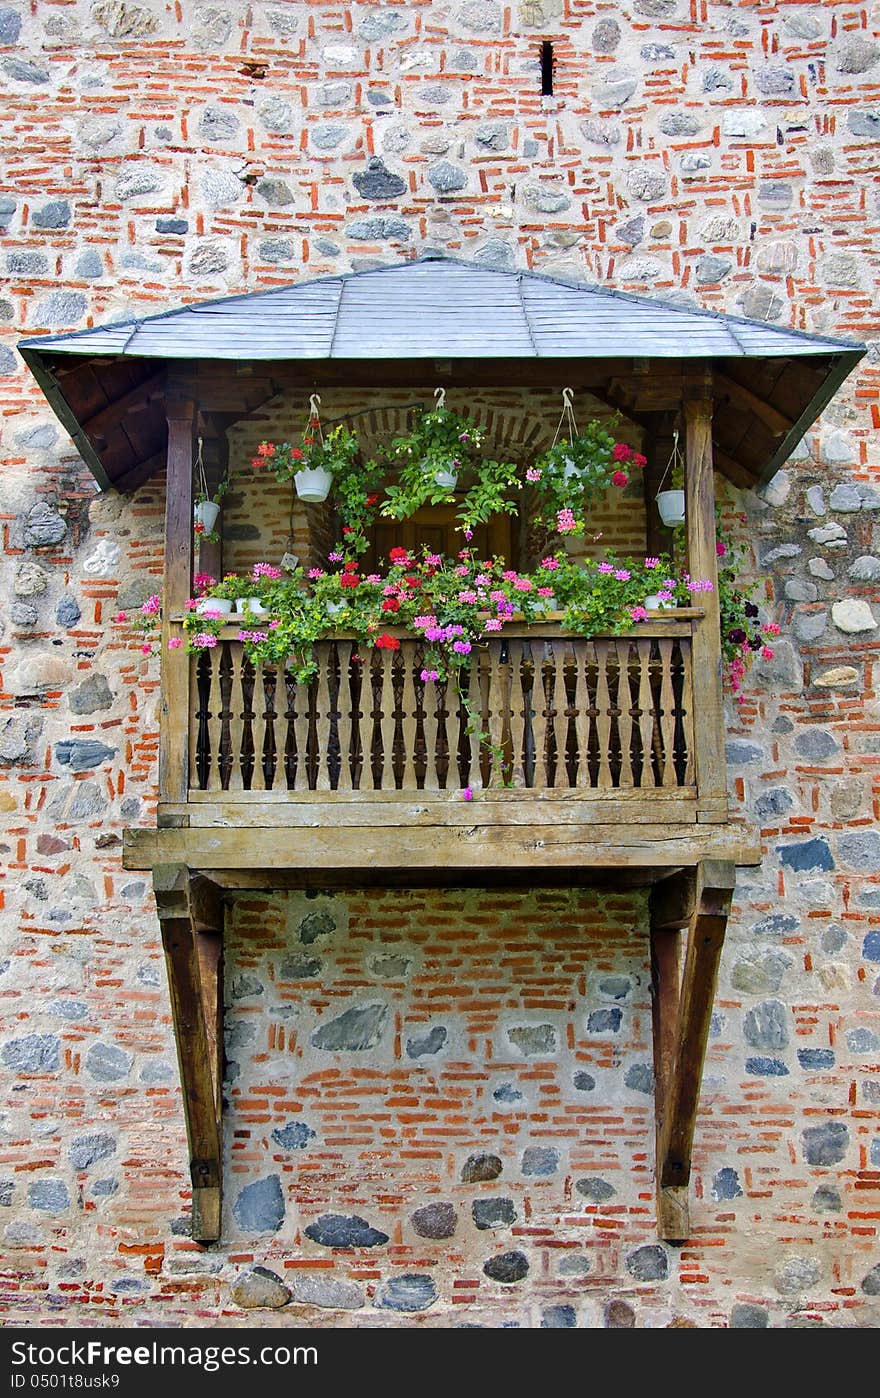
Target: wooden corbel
<point x="699" y="900"/>
<point x="190" y="909"/>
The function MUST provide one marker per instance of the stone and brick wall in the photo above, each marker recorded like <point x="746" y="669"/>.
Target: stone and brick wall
<point x="496" y="1124"/>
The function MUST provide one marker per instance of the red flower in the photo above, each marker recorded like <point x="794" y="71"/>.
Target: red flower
<point x="620" y="478"/>
<point x="639" y="460"/>
<point x="386" y="642"/>
<point x="399" y="555"/>
<point x="372" y="500"/>
<point x="297" y="454"/>
<point x="347" y="529"/>
<point x="349" y="580"/>
<point x="198" y="527"/>
<point x="266" y="449"/>
<point x="621" y="451"/>
<point x="391" y="604"/>
<point x="411" y="582"/>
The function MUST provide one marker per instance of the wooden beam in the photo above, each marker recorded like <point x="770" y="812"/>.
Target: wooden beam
<point x="138" y="475"/>
<point x="174" y="713"/>
<point x="193" y="961"/>
<point x="743" y="397"/>
<point x="137" y="399"/>
<point x="681" y="1051"/>
<point x="703" y="564"/>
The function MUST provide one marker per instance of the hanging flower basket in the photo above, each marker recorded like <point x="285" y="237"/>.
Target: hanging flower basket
<point x="670" y="503"/>
<point x="313" y="484"/>
<point x="206" y="513"/>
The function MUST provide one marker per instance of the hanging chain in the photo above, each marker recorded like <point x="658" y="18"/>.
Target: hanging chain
<point x="566" y="419"/>
<point x="673" y="462"/>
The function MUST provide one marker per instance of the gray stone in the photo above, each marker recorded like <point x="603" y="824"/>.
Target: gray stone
<point x="85" y="1151"/>
<point x="218" y="124"/>
<point x="446" y="178"/>
<point x="619" y="1315"/>
<point x="826" y="1200"/>
<point x="294" y="1136"/>
<point x="481" y="16"/>
<point x="327" y="136"/>
<point x="540" y="1160"/>
<point x="601" y="132"/>
<point x="760" y="302"/>
<point x="328" y="248"/>
<point x="826" y="1144"/>
<point x="493" y="135"/>
<point x="122" y="20"/>
<point x="507" y="1267"/>
<point x="22" y="72"/>
<point x="172" y="225"/>
<point x="646" y="183"/>
<point x="413" y="1291"/>
<point x="632" y="232"/>
<point x="259" y="1207"/>
<point x="60" y="308"/>
<point x="862" y="1040"/>
<point x="507" y="1093"/>
<point x="244" y="986"/>
<point x="766" y="1026"/>
<point x="617" y="987"/>
<point x="10" y="27"/>
<point x="18" y="736"/>
<point x="353" y="1031"/>
<point x="749" y="1316"/>
<point x="845" y="499"/>
<point x="90" y="696"/>
<point x="584" y="1082"/>
<point x="741" y="753"/>
<point x="815" y="497"/>
<point x="775" y="81"/>
<point x="711" y="269"/>
<point x="493" y="1213"/>
<point x="760" y="972"/>
<point x="775" y="194"/>
<point x="276" y="115"/>
<point x="796" y="1274"/>
<point x="23" y="615"/>
<point x="495" y="253"/>
<point x="856" y="55"/>
<point x="832" y="535"/>
<point x="866" y="568"/>
<point x="799" y="590"/>
<point x="806" y="856"/>
<point x="779" y="552"/>
<point x="33" y="1053"/>
<point x="276" y="193"/>
<point x="299" y="968"/>
<point x="108" y="1062"/>
<point x="819" y="569"/>
<point x="656" y="53"/>
<point x="726" y="1185"/>
<point x="380" y="23"/>
<point x="345" y="1231"/>
<point x="336" y="94"/>
<point x="560" y="1317"/>
<point x="853" y="616"/>
<point x="606" y="36"/>
<point x="574" y="1265"/>
<point x="480" y="1167"/>
<point x="275" y="250"/>
<point x="639" y="1077"/>
<point x="648" y="1263"/>
<point x="809" y="626"/>
<point x="258" y="1289"/>
<point x="864" y="123"/>
<point x="30" y="580"/>
<point x="67" y="613"/>
<point x="55" y="214"/>
<point x="220" y="188"/>
<point x="435" y="1220"/>
<point x="379" y="229"/>
<point x="533" y="1039"/>
<point x="314" y="925"/>
<point x="377" y="182"/>
<point x="328" y="1292"/>
<point x="871" y="1281"/>
<point x="49" y="1196"/>
<point x="71" y="1010"/>
<point x="594" y="1188"/>
<point x="208" y="259"/>
<point x="27" y="264"/>
<point x="776" y="801"/>
<point x="679" y="124"/>
<point x="614" y="94"/>
<point x="604" y="1021"/>
<point x="80" y="754"/>
<point x="7" y="1188"/>
<point x="815" y="742"/>
<point x="428" y="1043"/>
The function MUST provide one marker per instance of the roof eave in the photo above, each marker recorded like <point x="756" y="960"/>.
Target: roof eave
<point x="62" y="410"/>
<point x="841" y="366"/>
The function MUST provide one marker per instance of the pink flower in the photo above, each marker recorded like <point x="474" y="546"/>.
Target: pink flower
<point x="467" y="794"/>
<point x="533" y="475"/>
<point x="315" y="573"/>
<point x="545" y="591"/>
<point x="638" y="613"/>
<point x="212" y="613"/>
<point x="720" y="549"/>
<point x="462" y="570"/>
<point x="652" y="562"/>
<point x="422" y="621"/>
<point x="175" y="643"/>
<point x="121" y="616"/>
<point x="335" y="557"/>
<point x="464" y="647"/>
<point x="522" y="585"/>
<point x="605" y="568"/>
<point x="665" y="595"/>
<point x="245" y="636"/>
<point x="494" y="624"/>
<point x="429" y="676"/>
<point x="565" y="521"/>
<point x="191" y="604"/>
<point x="266" y="570"/>
<point x="620" y="479"/>
<point x="550" y="564"/>
<point x="481" y="580"/>
<point x="622" y="574"/>
<point x="373" y="578"/>
<point x="771" y="628"/>
<point x="152" y="605"/>
<point x="433" y="560"/>
<point x="767" y="652"/>
<point x="274" y="625"/>
<point x="468" y="597"/>
<point x="639" y="460"/>
<point x="147" y="649"/>
<point x="204" y="641"/>
<point x="621" y="451"/>
<point x="434" y="633"/>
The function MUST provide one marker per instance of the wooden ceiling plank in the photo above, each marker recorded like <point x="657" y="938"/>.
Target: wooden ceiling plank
<point x="137" y="399"/>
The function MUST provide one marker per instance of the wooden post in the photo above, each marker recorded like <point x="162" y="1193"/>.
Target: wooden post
<point x="193" y="960"/>
<point x="707" y="897"/>
<point x="702" y="563"/>
<point x="174" y="718"/>
<point x="671" y="906"/>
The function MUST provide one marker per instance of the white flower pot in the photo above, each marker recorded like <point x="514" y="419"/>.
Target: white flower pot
<point x="656" y="604"/>
<point x="546" y="604"/>
<point x="448" y="480"/>
<point x="249" y="605"/>
<point x="333" y="608"/>
<point x="213" y="604"/>
<point x="570" y="470"/>
<point x="313" y="484"/>
<point x="670" y="503"/>
<point x="206" y="513"/>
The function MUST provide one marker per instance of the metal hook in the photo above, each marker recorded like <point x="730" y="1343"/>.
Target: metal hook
<point x="567" y="397"/>
<point x="314" y="405"/>
<point x="440" y="395"/>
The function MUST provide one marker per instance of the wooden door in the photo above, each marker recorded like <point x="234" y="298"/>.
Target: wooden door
<point x="433" y="527"/>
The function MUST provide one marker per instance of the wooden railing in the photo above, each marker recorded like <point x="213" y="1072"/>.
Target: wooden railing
<point x="537" y="710"/>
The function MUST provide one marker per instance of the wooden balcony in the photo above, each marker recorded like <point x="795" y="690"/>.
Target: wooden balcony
<point x="559" y="749"/>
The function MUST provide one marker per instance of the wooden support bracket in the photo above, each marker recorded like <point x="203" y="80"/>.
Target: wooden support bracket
<point x="699" y="899"/>
<point x="190" y="909"/>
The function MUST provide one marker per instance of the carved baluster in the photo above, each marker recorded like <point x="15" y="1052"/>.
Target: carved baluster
<point x="667" y="712"/>
<point x="346" y="722"/>
<point x="226" y="673"/>
<point x="581" y="713"/>
<point x="430" y="707"/>
<point x="388" y="719"/>
<point x="686" y="714"/>
<point x="270" y="740"/>
<point x="411" y="715"/>
<point x="603" y="713"/>
<point x="300" y="705"/>
<point x="258" y="729"/>
<point x="625" y="716"/>
<point x="647" y="729"/>
<point x="291" y="755"/>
